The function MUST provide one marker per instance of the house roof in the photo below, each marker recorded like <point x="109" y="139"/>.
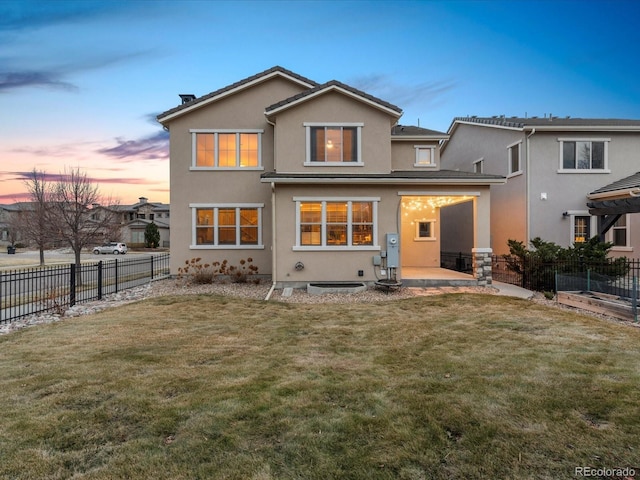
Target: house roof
<point x="620" y="187"/>
<point x="408" y="132"/>
<point x="550" y="123"/>
<point x="395" y="177"/>
<point x="234" y="87"/>
<point x="333" y="85"/>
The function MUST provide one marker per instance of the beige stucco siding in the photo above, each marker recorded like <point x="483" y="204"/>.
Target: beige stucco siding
<point x="332" y="107"/>
<point x="403" y="154"/>
<point x="244" y="110"/>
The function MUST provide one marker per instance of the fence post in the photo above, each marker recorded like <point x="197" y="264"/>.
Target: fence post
<point x="588" y="279"/>
<point x="634" y="299"/>
<point x="72" y="284"/>
<point x="116" y="275"/>
<point x="100" y="280"/>
<point x="152" y="266"/>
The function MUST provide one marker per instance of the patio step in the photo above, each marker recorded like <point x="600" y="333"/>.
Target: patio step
<point x="439" y="282"/>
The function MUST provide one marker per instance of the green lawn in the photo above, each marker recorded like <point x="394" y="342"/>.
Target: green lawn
<point x="200" y="387"/>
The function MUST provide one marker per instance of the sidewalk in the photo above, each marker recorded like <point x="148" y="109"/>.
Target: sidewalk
<point x="512" y="290"/>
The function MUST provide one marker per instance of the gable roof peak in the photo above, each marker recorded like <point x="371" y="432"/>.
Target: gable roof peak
<point x="196" y="102"/>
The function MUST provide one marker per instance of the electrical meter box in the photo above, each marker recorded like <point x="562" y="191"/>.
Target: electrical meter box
<point x="393" y="250"/>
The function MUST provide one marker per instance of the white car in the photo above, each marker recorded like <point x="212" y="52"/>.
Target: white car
<point x="112" y="247"/>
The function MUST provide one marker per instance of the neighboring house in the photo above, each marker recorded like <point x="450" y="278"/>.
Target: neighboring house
<point x="554" y="167"/>
<point x="136" y="217"/>
<point x="313" y="182"/>
<point x="132" y="221"/>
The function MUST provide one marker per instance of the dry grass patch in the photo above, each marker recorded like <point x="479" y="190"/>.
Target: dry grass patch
<point x="454" y="386"/>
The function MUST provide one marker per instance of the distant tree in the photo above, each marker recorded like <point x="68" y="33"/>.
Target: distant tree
<point x="151" y="236"/>
<point x="33" y="224"/>
<point x="73" y="200"/>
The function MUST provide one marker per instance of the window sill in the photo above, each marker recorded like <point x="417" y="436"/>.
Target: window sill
<point x="622" y="249"/>
<point x="335" y="248"/>
<point x="420" y="165"/>
<point x="515" y="174"/>
<point x="334" y="164"/>
<point x="227" y="169"/>
<point x="430" y="239"/>
<point x="226" y="247"/>
<point x="584" y="170"/>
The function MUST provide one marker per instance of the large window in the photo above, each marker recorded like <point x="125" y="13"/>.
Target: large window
<point x="333" y="144"/>
<point x="336" y="223"/>
<point x="227" y="226"/>
<point x="226" y="149"/>
<point x="583" y="155"/>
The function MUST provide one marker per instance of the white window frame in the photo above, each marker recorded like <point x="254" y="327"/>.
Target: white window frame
<point x="609" y="237"/>
<point x="517" y="144"/>
<point x="432" y="153"/>
<point x="215" y="132"/>
<point x="216" y="206"/>
<point x="478" y="165"/>
<point x="432" y="228"/>
<point x="323" y="242"/>
<point x="593" y="224"/>
<point x="307" y="159"/>
<point x="561" y="168"/>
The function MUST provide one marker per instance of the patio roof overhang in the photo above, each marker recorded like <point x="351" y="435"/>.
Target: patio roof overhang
<point x="612" y="201"/>
<point x="440" y="177"/>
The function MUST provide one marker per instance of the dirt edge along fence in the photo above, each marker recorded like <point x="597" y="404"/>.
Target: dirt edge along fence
<point x="55" y="288"/>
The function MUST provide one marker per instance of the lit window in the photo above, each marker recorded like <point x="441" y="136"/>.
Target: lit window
<point x="227" y="149"/>
<point x="425" y="156"/>
<point x="345" y="223"/>
<point x="333" y="144"/>
<point x="581" y="229"/>
<point x="228" y="226"/>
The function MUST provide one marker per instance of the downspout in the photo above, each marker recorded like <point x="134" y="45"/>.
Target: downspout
<point x="273" y="217"/>
<point x="528" y="187"/>
<point x="273" y="241"/>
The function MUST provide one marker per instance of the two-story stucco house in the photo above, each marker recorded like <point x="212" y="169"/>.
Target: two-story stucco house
<point x="313" y="182"/>
<point x="556" y="169"/>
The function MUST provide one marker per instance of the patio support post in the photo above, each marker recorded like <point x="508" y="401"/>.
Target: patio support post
<point x="482" y="265"/>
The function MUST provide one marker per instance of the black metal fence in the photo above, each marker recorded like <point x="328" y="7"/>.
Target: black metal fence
<point x="614" y="276"/>
<point x="55" y="288"/>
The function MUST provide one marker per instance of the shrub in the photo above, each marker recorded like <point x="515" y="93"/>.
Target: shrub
<point x="198" y="273"/>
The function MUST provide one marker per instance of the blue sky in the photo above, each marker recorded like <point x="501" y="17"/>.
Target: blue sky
<point x="82" y="81"/>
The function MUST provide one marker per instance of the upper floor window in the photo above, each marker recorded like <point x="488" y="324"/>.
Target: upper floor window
<point x="583" y="154"/>
<point x="478" y="166"/>
<point x="515" y="166"/>
<point x="227" y="226"/>
<point x="341" y="223"/>
<point x="333" y="144"/>
<point x="226" y="149"/>
<point x="425" y="156"/>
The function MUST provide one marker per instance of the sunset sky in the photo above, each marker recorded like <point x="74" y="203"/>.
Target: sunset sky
<point x="81" y="82"/>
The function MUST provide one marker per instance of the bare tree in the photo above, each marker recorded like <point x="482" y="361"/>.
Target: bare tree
<point x="72" y="209"/>
<point x="34" y="224"/>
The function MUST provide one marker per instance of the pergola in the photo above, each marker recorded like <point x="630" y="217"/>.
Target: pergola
<point x="612" y="201"/>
